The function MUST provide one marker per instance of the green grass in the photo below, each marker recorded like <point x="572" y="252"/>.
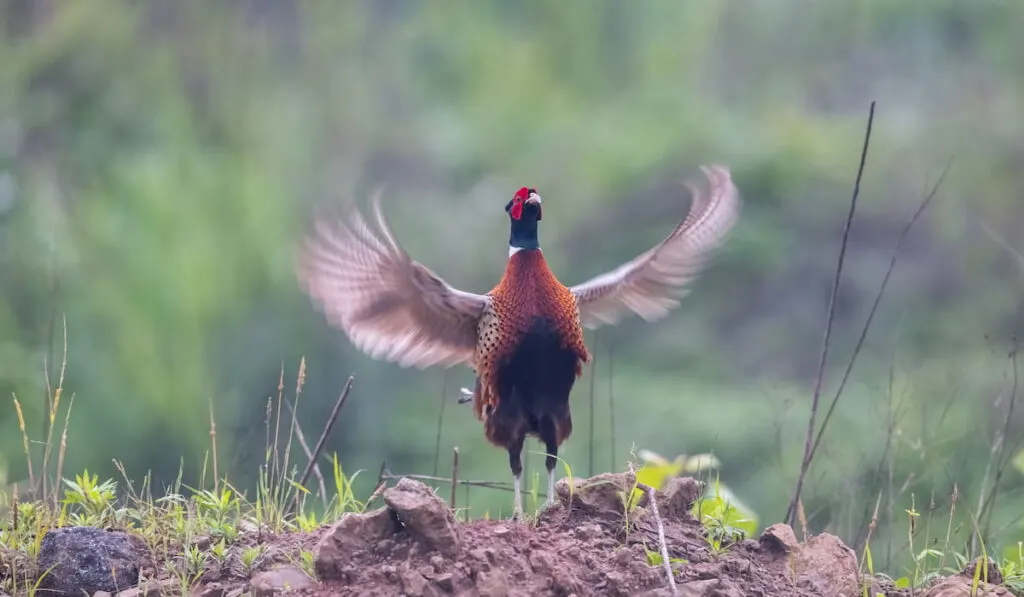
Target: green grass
<point x="188" y="531"/>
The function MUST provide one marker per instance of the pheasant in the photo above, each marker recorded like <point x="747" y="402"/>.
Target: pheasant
<point x="524" y="338"/>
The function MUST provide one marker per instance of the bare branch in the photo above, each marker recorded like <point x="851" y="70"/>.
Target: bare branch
<point x="874" y="306"/>
<point x="327" y="430"/>
<point x="666" y="564"/>
<point x="806" y="462"/>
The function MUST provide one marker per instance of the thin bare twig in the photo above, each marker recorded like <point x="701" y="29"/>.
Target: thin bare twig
<point x="376" y="492"/>
<point x="299" y="435"/>
<point x="665" y="563"/>
<point x="808" y="442"/>
<point x="1000" y="447"/>
<point x="871" y="529"/>
<point x="874" y="306"/>
<point x="213" y="445"/>
<point x="277" y="425"/>
<point x="380" y="473"/>
<point x="499" y="485"/>
<point x="327" y="429"/>
<point x="593" y="379"/>
<point x="455" y="474"/>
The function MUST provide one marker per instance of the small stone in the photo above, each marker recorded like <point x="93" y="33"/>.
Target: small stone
<point x="437" y="562"/>
<point x="779" y="538"/>
<point x="202" y="542"/>
<point x="86" y="560"/>
<point x="445" y="581"/>
<point x="413" y="583"/>
<point x="280" y="580"/>
<point x="588" y="531"/>
<point x="542" y="562"/>
<point x="481" y="563"/>
<point x="623" y="557"/>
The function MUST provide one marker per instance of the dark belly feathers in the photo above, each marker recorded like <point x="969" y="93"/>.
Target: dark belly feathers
<point x="534" y="382"/>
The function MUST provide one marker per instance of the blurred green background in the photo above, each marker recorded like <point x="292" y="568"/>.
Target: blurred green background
<point x="159" y="162"/>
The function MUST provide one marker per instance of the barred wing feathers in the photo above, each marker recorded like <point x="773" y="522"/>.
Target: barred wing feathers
<point x="391" y="307"/>
<point x="651" y="284"/>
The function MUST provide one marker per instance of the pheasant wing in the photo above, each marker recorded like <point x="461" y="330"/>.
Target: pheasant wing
<point x="651" y="284"/>
<point x="390" y="306"/>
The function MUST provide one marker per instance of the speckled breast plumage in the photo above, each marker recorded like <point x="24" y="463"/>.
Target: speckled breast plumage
<point x="527" y="290"/>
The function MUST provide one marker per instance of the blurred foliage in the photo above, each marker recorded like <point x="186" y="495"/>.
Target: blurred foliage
<point x="159" y="161"/>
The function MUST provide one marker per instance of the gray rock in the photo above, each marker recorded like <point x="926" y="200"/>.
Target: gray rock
<point x="424" y="514"/>
<point x="77" y="560"/>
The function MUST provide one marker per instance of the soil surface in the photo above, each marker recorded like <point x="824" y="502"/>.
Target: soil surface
<point x="582" y="545"/>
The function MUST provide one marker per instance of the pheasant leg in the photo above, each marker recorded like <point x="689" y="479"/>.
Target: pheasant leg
<point x="515" y="462"/>
<point x="551" y="487"/>
<point x="517" y="501"/>
<point x="549" y="436"/>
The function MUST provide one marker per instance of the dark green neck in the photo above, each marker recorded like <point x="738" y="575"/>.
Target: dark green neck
<point x="524" y="233"/>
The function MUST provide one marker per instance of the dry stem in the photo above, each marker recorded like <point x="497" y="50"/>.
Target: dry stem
<point x="662" y="544"/>
<point x="806" y="462"/>
<point x="327" y="430"/>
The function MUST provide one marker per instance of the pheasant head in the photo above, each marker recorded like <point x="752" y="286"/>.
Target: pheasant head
<point x="524" y="211"/>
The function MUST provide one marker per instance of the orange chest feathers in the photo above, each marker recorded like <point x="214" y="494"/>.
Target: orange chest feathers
<point x="527" y="292"/>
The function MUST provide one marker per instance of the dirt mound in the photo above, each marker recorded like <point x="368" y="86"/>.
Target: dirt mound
<point x="585" y="544"/>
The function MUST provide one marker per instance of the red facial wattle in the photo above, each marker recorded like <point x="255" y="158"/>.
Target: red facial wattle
<point x="517" y="203"/>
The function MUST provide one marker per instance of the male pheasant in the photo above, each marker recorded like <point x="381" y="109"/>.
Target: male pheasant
<point x="524" y="338"/>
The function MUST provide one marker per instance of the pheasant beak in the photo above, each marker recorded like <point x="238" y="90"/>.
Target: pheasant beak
<point x="533" y="199"/>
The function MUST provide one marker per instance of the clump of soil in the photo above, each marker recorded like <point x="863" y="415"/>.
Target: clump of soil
<point x="583" y="545"/>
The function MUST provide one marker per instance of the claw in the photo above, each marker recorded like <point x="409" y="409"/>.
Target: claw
<point x="467" y="395"/>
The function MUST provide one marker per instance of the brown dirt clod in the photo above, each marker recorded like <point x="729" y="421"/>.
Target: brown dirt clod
<point x="425" y="514"/>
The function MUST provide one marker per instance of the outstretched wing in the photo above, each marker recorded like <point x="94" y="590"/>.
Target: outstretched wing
<point x="652" y="284"/>
<point x="390" y="306"/>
